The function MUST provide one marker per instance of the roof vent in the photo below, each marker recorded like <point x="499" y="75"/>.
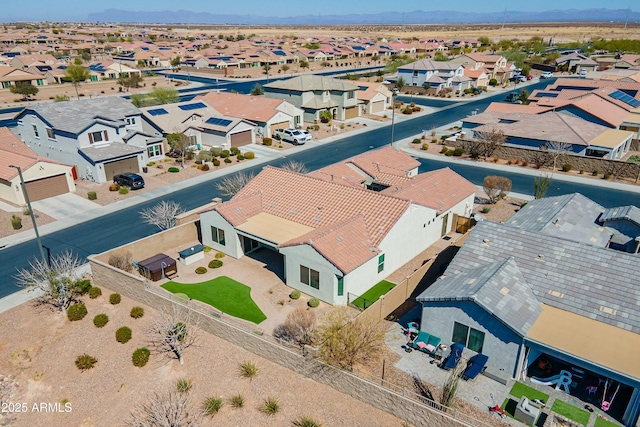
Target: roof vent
<point x="293" y="211"/>
<point x="422" y="190"/>
<point x="556" y="221"/>
<point x="541" y="257"/>
<point x="339" y="239"/>
<point x="373" y="249"/>
<point x="504" y="291"/>
<point x="441" y="203"/>
<point x="238" y="209"/>
<point x="471" y="281"/>
<point x="556" y="293"/>
<point x="319" y="208"/>
<point x="485" y="242"/>
<point x="435" y="184"/>
<point x="453" y="195"/>
<point x="608" y="310"/>
<point x="272" y="205"/>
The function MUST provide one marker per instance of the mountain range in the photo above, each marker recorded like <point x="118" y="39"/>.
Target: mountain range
<point x="387" y="18"/>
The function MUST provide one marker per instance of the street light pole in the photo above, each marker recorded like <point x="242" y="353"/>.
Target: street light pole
<point x="33" y="217"/>
<point x="393" y="112"/>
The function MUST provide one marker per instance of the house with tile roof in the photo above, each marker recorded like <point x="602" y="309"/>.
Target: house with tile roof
<point x="375" y="97"/>
<point x="9" y="76"/>
<point x="547" y="292"/>
<point x="101" y="137"/>
<point x="43" y="177"/>
<point x="495" y="66"/>
<point x="435" y="74"/>
<point x="338" y="236"/>
<point x="315" y="94"/>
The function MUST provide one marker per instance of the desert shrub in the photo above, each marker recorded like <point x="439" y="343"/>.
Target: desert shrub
<point x="84" y="362"/>
<point x="205" y="167"/>
<point x="173" y="169"/>
<point x="183" y="385"/>
<point x="227" y="160"/>
<point x="295" y="294"/>
<point x="407" y="110"/>
<point x="474" y="154"/>
<point x="114" y="187"/>
<point x="425" y="146"/>
<point x="237" y="401"/>
<point x="270" y="406"/>
<point x="525" y="163"/>
<point x="299" y="326"/>
<point x="493" y="82"/>
<point x="95" y="292"/>
<point x="215" y="151"/>
<point x="220" y="255"/>
<point x="566" y="167"/>
<point x="225" y="153"/>
<point x="100" y="320"/>
<point x="449" y="153"/>
<point x="159" y="167"/>
<point x="82" y="287"/>
<point x="485" y="210"/>
<point x="201" y="270"/>
<point x="248" y="369"/>
<point x="306" y="421"/>
<point x="458" y="152"/>
<point x="137" y="312"/>
<point x="249" y="155"/>
<point x="207" y="249"/>
<point x="416" y="141"/>
<point x="215" y="263"/>
<point x="313" y="302"/>
<point x="16" y="222"/>
<point x="581" y="171"/>
<point x="121" y="259"/>
<point x="595" y="173"/>
<point x="115" y="299"/>
<point x="76" y="312"/>
<point x="140" y="357"/>
<point x="151" y="164"/>
<point x="123" y="190"/>
<point x="240" y="157"/>
<point x="496" y="187"/>
<point x="606" y="176"/>
<point x="267" y="142"/>
<point x="234" y="151"/>
<point x="211" y="405"/>
<point x="91" y="195"/>
<point x="216" y="162"/>
<point x="444" y="150"/>
<point x="123" y="334"/>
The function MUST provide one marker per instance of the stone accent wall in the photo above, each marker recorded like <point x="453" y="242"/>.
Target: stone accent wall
<point x="402" y="407"/>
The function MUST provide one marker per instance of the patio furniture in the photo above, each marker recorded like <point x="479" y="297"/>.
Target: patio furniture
<point x="527" y="411"/>
<point x="476" y="365"/>
<point x="158" y="267"/>
<point x="425" y="343"/>
<point x="454" y="356"/>
<point x="192" y="254"/>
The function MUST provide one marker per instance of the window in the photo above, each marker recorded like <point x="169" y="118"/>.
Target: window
<point x="50" y="134"/>
<point x="340" y="286"/>
<point x="471" y="338"/>
<point x="380" y="263"/>
<point x="217" y="235"/>
<point x="154" y="150"/>
<point x="98" y="136"/>
<point x="309" y="277"/>
<point x="351" y="95"/>
<point x="193" y="140"/>
<point x="35" y="131"/>
<point x="131" y="120"/>
<point x="415" y="73"/>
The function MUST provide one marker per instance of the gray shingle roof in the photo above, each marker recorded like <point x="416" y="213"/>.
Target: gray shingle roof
<point x="581" y="278"/>
<point x="430" y="65"/>
<point x="113" y="150"/>
<point x="571" y="216"/>
<point x="75" y="116"/>
<point x="626" y="213"/>
<point x="309" y="83"/>
<point x="498" y="287"/>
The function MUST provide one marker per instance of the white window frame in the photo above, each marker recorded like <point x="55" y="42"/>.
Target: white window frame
<point x="154" y="150"/>
<point x="51" y="134"/>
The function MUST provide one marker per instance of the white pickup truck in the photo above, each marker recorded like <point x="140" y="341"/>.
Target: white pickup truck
<point x="293" y="136"/>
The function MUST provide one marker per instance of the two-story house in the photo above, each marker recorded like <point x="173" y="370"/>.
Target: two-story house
<point x="435" y="74"/>
<point x="495" y="66"/>
<point x="315" y="94"/>
<point x="101" y="137"/>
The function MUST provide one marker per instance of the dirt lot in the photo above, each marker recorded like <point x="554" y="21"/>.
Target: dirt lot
<point x="39" y="347"/>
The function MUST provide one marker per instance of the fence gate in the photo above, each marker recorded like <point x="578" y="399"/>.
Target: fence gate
<point x="463" y="224"/>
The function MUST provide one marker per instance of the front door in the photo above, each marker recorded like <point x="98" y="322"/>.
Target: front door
<point x="445" y="219"/>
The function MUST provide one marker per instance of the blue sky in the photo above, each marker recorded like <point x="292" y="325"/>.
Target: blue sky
<point x="79" y="9"/>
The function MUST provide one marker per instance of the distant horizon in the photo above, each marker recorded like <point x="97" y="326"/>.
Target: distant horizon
<point x="82" y="11"/>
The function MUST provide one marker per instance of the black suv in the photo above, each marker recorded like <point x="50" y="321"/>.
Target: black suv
<point x="131" y="180"/>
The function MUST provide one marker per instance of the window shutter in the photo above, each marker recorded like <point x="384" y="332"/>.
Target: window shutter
<point x="106" y="138"/>
<point x="90" y="138"/>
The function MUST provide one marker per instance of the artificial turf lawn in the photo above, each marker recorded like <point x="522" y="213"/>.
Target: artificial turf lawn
<point x="571" y="412"/>
<point x="601" y="422"/>
<point x="223" y="293"/>
<point x="518" y="390"/>
<point x="373" y="294"/>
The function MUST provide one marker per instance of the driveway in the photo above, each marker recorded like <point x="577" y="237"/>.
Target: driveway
<point x="64" y="206"/>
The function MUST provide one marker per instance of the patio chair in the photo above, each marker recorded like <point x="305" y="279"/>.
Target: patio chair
<point x="476" y="365"/>
<point x="526" y="411"/>
<point x="454" y="356"/>
<point x="425" y="343"/>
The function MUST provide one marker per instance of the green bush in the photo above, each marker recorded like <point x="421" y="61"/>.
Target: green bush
<point x="123" y="334"/>
<point x="416" y="141"/>
<point x="485" y="210"/>
<point x="124" y="189"/>
<point x="140" y="357"/>
<point x="183" y="385"/>
<point x="474" y="154"/>
<point x="205" y="167"/>
<point x="95" y="292"/>
<point x="458" y="152"/>
<point x="216" y="162"/>
<point x="225" y="153"/>
<point x="313" y="302"/>
<point x="227" y="160"/>
<point x="211" y="405"/>
<point x="215" y="151"/>
<point x="449" y="153"/>
<point x="76" y="312"/>
<point x="215" y="263"/>
<point x="306" y="421"/>
<point x="295" y="294"/>
<point x="237" y="401"/>
<point x="100" y="320"/>
<point x="240" y="157"/>
<point x="444" y="150"/>
<point x="595" y="173"/>
<point x="85" y="362"/>
<point x="220" y="255"/>
<point x="201" y="270"/>
<point x="234" y="151"/>
<point x="566" y="167"/>
<point x="606" y="176"/>
<point x="267" y="142"/>
<point x="151" y="163"/>
<point x="270" y="406"/>
<point x="91" y="195"/>
<point x="407" y="110"/>
<point x="249" y="155"/>
<point x="425" y="146"/>
<point x="81" y="287"/>
<point x="493" y="82"/>
<point x="248" y="369"/>
<point x="137" y="312"/>
<point x="173" y="169"/>
<point x="115" y="299"/>
<point x="16" y="222"/>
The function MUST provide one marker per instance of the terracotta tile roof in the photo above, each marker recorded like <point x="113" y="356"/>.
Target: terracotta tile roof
<point x="340" y="173"/>
<point x="14" y="152"/>
<point x="439" y="190"/>
<point x="473" y="72"/>
<point x="371" y="90"/>
<point x="501" y="107"/>
<point x="253" y="108"/>
<point x="602" y="108"/>
<point x="591" y="84"/>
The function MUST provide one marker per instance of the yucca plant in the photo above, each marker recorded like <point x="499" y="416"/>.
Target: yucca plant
<point x="248" y="369"/>
<point x="306" y="421"/>
<point x="270" y="406"/>
<point x="183" y="385"/>
<point x="237" y="401"/>
<point x="211" y="405"/>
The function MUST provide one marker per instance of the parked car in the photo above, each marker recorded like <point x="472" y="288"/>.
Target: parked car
<point x="518" y="78"/>
<point x="131" y="180"/>
<point x="583" y="74"/>
<point x="295" y="136"/>
<point x="546" y="75"/>
<point x="476" y="91"/>
<point x="513" y="98"/>
<point x="306" y="132"/>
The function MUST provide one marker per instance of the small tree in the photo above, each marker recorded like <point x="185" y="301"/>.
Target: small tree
<point x="174" y="332"/>
<point x="541" y="184"/>
<point x="139" y="100"/>
<point x="303" y="64"/>
<point x="163" y="215"/>
<point x="169" y="408"/>
<point x="299" y="326"/>
<point x="489" y="140"/>
<point x="231" y="185"/>
<point x="55" y="280"/>
<point x="122" y="259"/>
<point x="163" y="95"/>
<point x="400" y="83"/>
<point x="175" y="62"/>
<point x="257" y="90"/>
<point x="179" y="142"/>
<point x="25" y="89"/>
<point x="77" y="74"/>
<point x="450" y="387"/>
<point x="496" y="187"/>
<point x="556" y="150"/>
<point x="345" y="341"/>
<point x="326" y="116"/>
<point x="295" y="166"/>
<point x="285" y="68"/>
<point x="523" y="96"/>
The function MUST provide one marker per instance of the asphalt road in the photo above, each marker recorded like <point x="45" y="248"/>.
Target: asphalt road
<point x="124" y="226"/>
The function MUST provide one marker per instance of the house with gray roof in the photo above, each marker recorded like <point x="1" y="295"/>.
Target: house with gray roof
<point x="546" y="292"/>
<point x="315" y="94"/>
<point x="101" y="137"/>
<point x="624" y="221"/>
<point x="435" y="74"/>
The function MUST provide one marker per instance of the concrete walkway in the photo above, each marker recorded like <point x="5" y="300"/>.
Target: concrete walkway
<point x="64" y="206"/>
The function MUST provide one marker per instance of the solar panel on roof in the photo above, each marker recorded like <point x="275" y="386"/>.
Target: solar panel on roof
<point x="218" y="122"/>
<point x="193" y="106"/>
<point x="547" y="95"/>
<point x="157" y="112"/>
<point x="363" y="87"/>
<point x="621" y="96"/>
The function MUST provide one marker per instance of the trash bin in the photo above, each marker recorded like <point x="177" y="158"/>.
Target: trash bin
<point x="145" y="169"/>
